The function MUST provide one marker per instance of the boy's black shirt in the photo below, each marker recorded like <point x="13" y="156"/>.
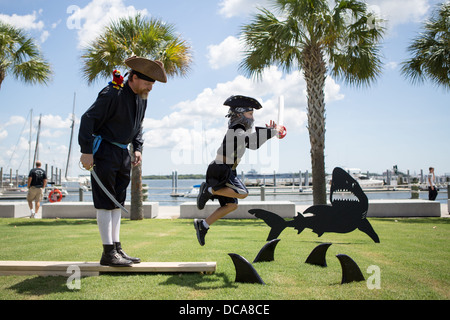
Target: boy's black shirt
<point x="237" y="140"/>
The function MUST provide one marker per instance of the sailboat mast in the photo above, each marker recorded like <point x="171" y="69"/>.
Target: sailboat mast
<point x="71" y="133"/>
<point x="30" y="165"/>
<point x="36" y="150"/>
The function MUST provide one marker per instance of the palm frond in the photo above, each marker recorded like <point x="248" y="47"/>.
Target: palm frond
<point x="21" y="56"/>
<point x="135" y="35"/>
<point x="354" y="49"/>
<point x="430" y="51"/>
<point x="176" y="57"/>
<point x="267" y="41"/>
<point x="32" y="71"/>
<point x="345" y="33"/>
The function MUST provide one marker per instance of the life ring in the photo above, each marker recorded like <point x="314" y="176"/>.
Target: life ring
<point x="55" y="196"/>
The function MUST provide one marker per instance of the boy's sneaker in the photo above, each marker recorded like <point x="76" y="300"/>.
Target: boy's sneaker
<point x="203" y="196"/>
<point x="201" y="231"/>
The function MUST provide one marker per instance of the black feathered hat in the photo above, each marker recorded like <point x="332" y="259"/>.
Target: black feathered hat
<point x="242" y="102"/>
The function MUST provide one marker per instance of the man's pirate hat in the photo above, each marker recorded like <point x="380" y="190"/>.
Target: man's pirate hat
<point x="147" y="69"/>
<point x="242" y="102"/>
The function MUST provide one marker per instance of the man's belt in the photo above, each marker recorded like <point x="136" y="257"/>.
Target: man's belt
<point x="98" y="140"/>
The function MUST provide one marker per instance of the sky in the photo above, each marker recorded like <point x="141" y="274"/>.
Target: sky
<point x="392" y="122"/>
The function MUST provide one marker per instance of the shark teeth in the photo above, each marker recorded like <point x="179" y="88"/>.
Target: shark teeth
<point x="344" y="195"/>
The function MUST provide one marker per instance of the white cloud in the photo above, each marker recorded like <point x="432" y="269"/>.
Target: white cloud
<point x="204" y="117"/>
<point x="390" y="14"/>
<point x="55" y="121"/>
<point x="91" y="19"/>
<point x="395" y="12"/>
<point x="392" y="65"/>
<point x="15" y="120"/>
<point x="399" y="11"/>
<point x="227" y="52"/>
<point x="231" y="8"/>
<point x="55" y="24"/>
<point x="53" y="141"/>
<point x="44" y="36"/>
<point x="3" y="134"/>
<point x="27" y="22"/>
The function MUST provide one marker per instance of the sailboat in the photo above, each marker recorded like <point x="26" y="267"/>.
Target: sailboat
<point x="71" y="135"/>
<point x="20" y="192"/>
<point x="84" y="181"/>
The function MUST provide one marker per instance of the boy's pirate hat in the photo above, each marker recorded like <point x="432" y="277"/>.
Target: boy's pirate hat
<point x="242" y="102"/>
<point x="147" y="69"/>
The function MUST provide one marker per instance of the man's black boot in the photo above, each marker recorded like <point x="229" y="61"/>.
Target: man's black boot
<point x="120" y="251"/>
<point x="112" y="258"/>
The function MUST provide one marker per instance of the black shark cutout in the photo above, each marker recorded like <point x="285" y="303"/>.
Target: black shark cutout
<point x="343" y="216"/>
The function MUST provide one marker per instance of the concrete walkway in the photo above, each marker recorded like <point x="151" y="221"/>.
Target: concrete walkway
<point x="173" y="212"/>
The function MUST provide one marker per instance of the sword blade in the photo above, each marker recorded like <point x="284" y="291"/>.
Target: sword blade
<point x="110" y="196"/>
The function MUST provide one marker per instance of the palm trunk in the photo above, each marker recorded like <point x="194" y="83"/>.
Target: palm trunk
<point x="314" y="70"/>
<point x="2" y="76"/>
<point x="136" y="210"/>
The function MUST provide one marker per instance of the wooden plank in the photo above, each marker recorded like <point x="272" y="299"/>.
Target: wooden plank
<point x="94" y="268"/>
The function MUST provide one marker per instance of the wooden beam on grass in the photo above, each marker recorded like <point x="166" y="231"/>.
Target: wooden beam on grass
<point x="66" y="268"/>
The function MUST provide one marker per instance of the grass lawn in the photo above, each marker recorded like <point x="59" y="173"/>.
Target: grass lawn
<point x="413" y="258"/>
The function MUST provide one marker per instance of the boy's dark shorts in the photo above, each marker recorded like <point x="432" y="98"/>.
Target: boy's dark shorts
<point x="219" y="176"/>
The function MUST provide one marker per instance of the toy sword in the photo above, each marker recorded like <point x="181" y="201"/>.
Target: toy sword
<point x="110" y="196"/>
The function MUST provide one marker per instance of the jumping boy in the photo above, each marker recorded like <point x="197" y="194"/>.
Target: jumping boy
<point x="222" y="182"/>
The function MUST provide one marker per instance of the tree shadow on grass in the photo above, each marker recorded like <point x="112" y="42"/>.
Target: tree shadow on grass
<point x="41" y="286"/>
<point x="194" y="280"/>
<point x="52" y="222"/>
<point x="201" y="282"/>
<point x="416" y="220"/>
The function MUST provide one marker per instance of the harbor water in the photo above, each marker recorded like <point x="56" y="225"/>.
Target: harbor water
<point x="162" y="191"/>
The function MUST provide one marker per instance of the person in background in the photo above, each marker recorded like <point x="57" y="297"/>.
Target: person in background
<point x="431" y="183"/>
<point x="37" y="181"/>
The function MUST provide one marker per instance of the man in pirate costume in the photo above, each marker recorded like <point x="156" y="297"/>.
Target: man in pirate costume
<point x="107" y="128"/>
<point x="222" y="182"/>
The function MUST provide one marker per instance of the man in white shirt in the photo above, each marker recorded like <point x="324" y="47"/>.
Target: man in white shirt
<point x="431" y="183"/>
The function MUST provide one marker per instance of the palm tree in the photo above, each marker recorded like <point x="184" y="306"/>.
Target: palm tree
<point x="431" y="50"/>
<point x="135" y="35"/>
<point x="20" y="57"/>
<point x="308" y="35"/>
